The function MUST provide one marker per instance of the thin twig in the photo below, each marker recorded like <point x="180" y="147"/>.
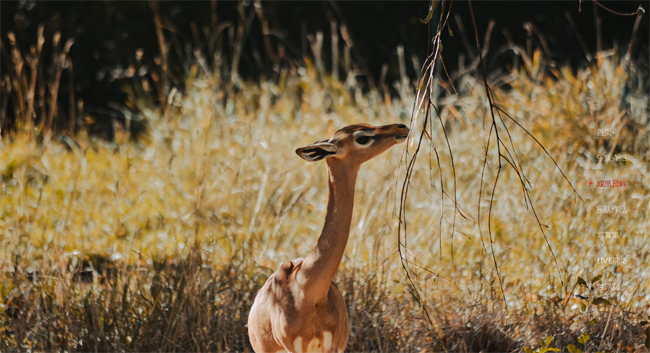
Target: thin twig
<point x="496" y="132"/>
<point x="638" y="11"/>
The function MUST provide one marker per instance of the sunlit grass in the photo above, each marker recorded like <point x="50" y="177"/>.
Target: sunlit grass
<point x="219" y="174"/>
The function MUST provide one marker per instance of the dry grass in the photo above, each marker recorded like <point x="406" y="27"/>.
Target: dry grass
<point x="162" y="244"/>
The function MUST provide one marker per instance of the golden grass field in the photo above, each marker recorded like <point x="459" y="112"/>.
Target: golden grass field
<point x="161" y="242"/>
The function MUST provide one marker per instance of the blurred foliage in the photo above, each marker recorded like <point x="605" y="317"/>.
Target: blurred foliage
<point x="111" y="38"/>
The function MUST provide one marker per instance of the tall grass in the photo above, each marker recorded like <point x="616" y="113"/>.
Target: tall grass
<point x="160" y="244"/>
<point x="163" y="243"/>
<point x="34" y="91"/>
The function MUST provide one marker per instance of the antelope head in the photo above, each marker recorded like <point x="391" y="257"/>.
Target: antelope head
<point x="355" y="143"/>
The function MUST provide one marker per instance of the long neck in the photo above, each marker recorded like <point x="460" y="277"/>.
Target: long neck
<point x="319" y="267"/>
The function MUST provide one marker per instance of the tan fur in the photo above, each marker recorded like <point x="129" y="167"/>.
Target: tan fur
<point x="299" y="309"/>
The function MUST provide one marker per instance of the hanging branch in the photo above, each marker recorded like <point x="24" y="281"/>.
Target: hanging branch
<point x="505" y="151"/>
<point x="424" y="93"/>
<point x="429" y="64"/>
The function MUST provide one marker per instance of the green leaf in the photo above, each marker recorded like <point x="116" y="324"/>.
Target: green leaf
<point x="528" y="350"/>
<point x="583" y="338"/>
<point x="596" y="279"/>
<point x="582" y="282"/>
<point x="553" y="349"/>
<point x="573" y="349"/>
<point x="593" y="322"/>
<point x="583" y="307"/>
<point x="601" y="300"/>
<point x="548" y="340"/>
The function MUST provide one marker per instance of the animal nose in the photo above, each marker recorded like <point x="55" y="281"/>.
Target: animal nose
<point x="402" y="126"/>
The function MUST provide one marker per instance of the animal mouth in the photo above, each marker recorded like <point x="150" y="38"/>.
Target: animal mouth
<point x="401" y="137"/>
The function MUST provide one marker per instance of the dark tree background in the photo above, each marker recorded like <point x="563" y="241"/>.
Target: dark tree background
<point x="107" y="34"/>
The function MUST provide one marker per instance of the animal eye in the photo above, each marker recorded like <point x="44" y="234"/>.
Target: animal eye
<point x="362" y="140"/>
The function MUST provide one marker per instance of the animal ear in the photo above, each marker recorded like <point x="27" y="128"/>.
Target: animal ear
<point x="317" y="151"/>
